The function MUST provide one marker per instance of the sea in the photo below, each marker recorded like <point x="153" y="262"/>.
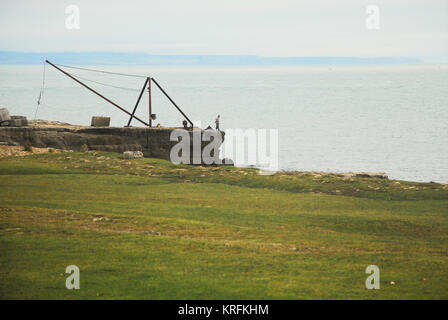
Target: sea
<point x="376" y="118"/>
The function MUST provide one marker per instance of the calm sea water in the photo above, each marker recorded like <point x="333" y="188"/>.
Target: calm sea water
<point x="378" y="118"/>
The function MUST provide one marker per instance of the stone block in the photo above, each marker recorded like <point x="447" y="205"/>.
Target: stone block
<point x="4" y="115"/>
<point x="18" y="121"/>
<point x="100" y="121"/>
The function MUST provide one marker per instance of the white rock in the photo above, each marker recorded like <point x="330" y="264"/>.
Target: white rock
<point x="132" y="154"/>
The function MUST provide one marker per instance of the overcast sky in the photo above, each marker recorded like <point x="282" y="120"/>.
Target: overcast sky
<point x="413" y="28"/>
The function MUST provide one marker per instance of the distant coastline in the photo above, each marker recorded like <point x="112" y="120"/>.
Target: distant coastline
<point x="123" y="58"/>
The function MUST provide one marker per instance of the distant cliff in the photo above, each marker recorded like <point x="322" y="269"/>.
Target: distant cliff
<point x="123" y="58"/>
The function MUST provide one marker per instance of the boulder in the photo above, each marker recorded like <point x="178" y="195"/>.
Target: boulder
<point x="132" y="154"/>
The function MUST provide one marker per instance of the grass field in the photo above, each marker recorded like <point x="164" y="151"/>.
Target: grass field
<point x="147" y="229"/>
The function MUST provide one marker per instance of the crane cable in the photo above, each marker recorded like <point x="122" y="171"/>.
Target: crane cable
<point x="105" y="84"/>
<point x="102" y="71"/>
<point x="41" y="93"/>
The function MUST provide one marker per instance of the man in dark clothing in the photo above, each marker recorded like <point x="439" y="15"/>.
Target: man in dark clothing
<point x="217" y="123"/>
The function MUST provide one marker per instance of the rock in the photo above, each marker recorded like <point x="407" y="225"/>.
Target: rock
<point x="228" y="161"/>
<point x="380" y="175"/>
<point x="132" y="154"/>
<point x="138" y="154"/>
<point x="100" y="121"/>
<point x="27" y="146"/>
<point x="128" y="155"/>
<point x="4" y="116"/>
<point x="18" y="121"/>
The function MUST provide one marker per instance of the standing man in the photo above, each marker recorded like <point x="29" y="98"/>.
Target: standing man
<point x="217" y="123"/>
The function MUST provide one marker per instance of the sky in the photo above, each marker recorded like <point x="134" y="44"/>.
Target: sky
<point x="412" y="28"/>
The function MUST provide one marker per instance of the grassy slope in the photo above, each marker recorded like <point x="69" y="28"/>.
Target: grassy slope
<point x="214" y="233"/>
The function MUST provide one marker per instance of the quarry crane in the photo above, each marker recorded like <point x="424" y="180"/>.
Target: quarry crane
<point x="146" y="85"/>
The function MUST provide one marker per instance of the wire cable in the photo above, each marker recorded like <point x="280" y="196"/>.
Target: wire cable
<point x="41" y="93"/>
<point x="102" y="71"/>
<point x="105" y="84"/>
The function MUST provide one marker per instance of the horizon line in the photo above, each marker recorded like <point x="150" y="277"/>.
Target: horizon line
<point x="143" y="58"/>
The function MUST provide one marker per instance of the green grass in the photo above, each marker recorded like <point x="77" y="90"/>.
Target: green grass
<point x="183" y="232"/>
